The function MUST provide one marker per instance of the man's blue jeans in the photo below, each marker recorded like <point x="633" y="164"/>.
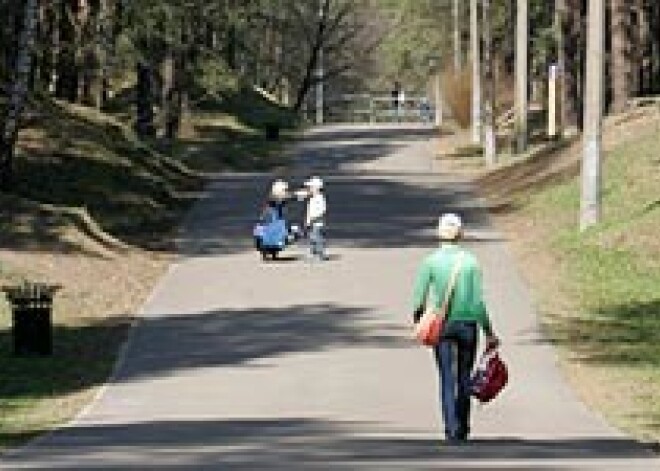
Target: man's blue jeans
<point x="455" y="356"/>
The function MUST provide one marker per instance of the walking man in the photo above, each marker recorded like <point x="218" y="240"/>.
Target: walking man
<point x="456" y="350"/>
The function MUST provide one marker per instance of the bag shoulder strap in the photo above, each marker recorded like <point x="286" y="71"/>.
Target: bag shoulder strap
<point x="452" y="279"/>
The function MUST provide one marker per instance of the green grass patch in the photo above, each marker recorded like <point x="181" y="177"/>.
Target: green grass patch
<point x="37" y="393"/>
<point x="469" y="150"/>
<point x="610" y="278"/>
<point x="231" y="133"/>
<point x="74" y="157"/>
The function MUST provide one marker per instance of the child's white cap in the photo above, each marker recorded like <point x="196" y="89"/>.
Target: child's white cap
<point x="314" y="182"/>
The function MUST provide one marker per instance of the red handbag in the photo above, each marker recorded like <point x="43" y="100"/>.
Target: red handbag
<point x="429" y="328"/>
<point x="490" y="376"/>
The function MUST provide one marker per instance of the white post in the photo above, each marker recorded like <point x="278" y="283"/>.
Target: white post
<point x="553" y="101"/>
<point x="476" y="71"/>
<point x="593" y="113"/>
<point x="438" y="99"/>
<point x="522" y="45"/>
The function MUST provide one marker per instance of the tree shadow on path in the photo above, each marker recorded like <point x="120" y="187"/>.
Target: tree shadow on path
<point x="240" y="337"/>
<point x="306" y="444"/>
<point x="375" y="212"/>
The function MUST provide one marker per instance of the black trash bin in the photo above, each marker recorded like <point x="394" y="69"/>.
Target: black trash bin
<point x="272" y="132"/>
<point x="32" y="326"/>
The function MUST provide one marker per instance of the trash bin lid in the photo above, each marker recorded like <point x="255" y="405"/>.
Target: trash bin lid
<point x="29" y="291"/>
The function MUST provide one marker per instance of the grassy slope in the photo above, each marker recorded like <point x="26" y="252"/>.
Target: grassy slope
<point x="85" y="188"/>
<point x="230" y="134"/>
<point x="599" y="291"/>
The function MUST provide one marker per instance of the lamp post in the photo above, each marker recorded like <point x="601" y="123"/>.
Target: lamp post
<point x="590" y="207"/>
<point x="434" y="68"/>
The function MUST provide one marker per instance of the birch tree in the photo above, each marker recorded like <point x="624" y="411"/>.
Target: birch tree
<point x="18" y="92"/>
<point x="475" y="58"/>
<point x="490" y="138"/>
<point x="522" y="75"/>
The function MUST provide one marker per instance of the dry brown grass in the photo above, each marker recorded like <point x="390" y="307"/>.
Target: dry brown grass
<point x="457" y="90"/>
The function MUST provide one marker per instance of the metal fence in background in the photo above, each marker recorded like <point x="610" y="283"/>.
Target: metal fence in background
<point x="372" y="108"/>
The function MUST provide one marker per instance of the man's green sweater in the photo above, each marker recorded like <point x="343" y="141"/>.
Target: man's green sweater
<point x="467" y="300"/>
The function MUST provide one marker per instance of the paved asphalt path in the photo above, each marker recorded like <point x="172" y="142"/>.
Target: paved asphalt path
<point x="244" y="365"/>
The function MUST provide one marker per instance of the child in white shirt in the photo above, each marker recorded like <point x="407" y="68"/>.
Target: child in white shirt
<point x="315" y="217"/>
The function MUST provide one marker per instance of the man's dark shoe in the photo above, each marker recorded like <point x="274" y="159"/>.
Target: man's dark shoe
<point x="455" y="440"/>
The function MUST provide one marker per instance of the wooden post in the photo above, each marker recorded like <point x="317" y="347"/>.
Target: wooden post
<point x="438" y="99"/>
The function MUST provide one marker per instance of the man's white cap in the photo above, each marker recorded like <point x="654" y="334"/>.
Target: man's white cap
<point x="279" y="188"/>
<point x="314" y="182"/>
<point x="449" y="226"/>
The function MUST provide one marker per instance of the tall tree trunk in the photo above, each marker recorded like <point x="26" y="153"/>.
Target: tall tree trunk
<point x="562" y="38"/>
<point x="92" y="83"/>
<point x="458" y="50"/>
<point x="621" y="87"/>
<point x="320" y="72"/>
<point x="106" y="47"/>
<point x="641" y="39"/>
<point x="654" y="20"/>
<point x="575" y="63"/>
<point x="560" y="44"/>
<point x="169" y="95"/>
<point x="307" y="81"/>
<point x="18" y="92"/>
<point x="522" y="75"/>
<point x="490" y="137"/>
<point x="594" y="94"/>
<point x="575" y="56"/>
<point x="476" y="71"/>
<point x="50" y="40"/>
<point x="232" y="42"/>
<point x="283" y="80"/>
<point x="88" y="39"/>
<point x="582" y="63"/>
<point x="98" y="26"/>
<point x="144" y="125"/>
<point x="314" y="56"/>
<point x="68" y="79"/>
